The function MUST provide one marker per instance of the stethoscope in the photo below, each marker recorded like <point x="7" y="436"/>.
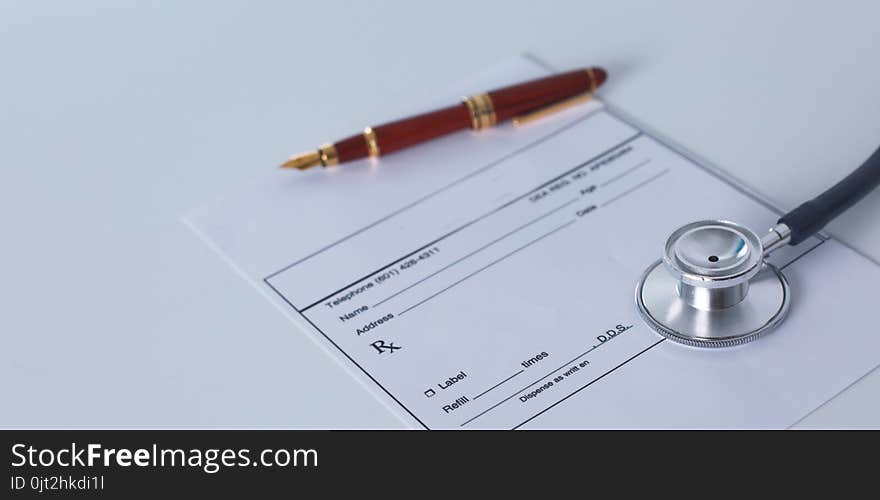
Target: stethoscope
<point x="713" y="287"/>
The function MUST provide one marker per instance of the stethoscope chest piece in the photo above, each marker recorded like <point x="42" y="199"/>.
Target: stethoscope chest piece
<point x="712" y="287"/>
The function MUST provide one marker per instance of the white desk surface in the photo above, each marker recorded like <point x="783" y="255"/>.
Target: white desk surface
<point x="118" y="117"/>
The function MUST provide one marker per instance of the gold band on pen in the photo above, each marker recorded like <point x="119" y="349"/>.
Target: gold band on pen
<point x="329" y="156"/>
<point x="482" y="111"/>
<point x="372" y="142"/>
<point x="592" y="75"/>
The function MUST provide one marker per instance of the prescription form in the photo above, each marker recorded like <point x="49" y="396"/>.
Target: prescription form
<point x="486" y="280"/>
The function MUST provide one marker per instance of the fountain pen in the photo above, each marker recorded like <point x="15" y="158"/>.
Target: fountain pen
<point x="522" y="103"/>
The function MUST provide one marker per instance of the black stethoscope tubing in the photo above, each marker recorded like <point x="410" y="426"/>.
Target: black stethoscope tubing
<point x="811" y="216"/>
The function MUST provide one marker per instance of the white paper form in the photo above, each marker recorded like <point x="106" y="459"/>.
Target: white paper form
<point x="487" y="280"/>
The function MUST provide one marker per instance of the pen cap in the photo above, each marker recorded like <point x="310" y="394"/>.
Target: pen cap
<point x="518" y="99"/>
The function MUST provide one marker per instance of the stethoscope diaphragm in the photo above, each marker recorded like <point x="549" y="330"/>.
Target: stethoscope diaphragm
<point x="712" y="287"/>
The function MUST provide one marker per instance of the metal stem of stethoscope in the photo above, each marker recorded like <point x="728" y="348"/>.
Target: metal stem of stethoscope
<point x="713" y="288"/>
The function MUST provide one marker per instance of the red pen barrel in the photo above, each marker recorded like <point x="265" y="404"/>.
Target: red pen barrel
<point x="407" y="132"/>
<point x="475" y="112"/>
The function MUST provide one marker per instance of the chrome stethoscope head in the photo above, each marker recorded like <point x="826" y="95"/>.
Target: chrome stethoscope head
<point x="712" y="287"/>
<point x="713" y="262"/>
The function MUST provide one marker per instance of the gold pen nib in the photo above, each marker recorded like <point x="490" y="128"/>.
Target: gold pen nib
<point x="303" y="161"/>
